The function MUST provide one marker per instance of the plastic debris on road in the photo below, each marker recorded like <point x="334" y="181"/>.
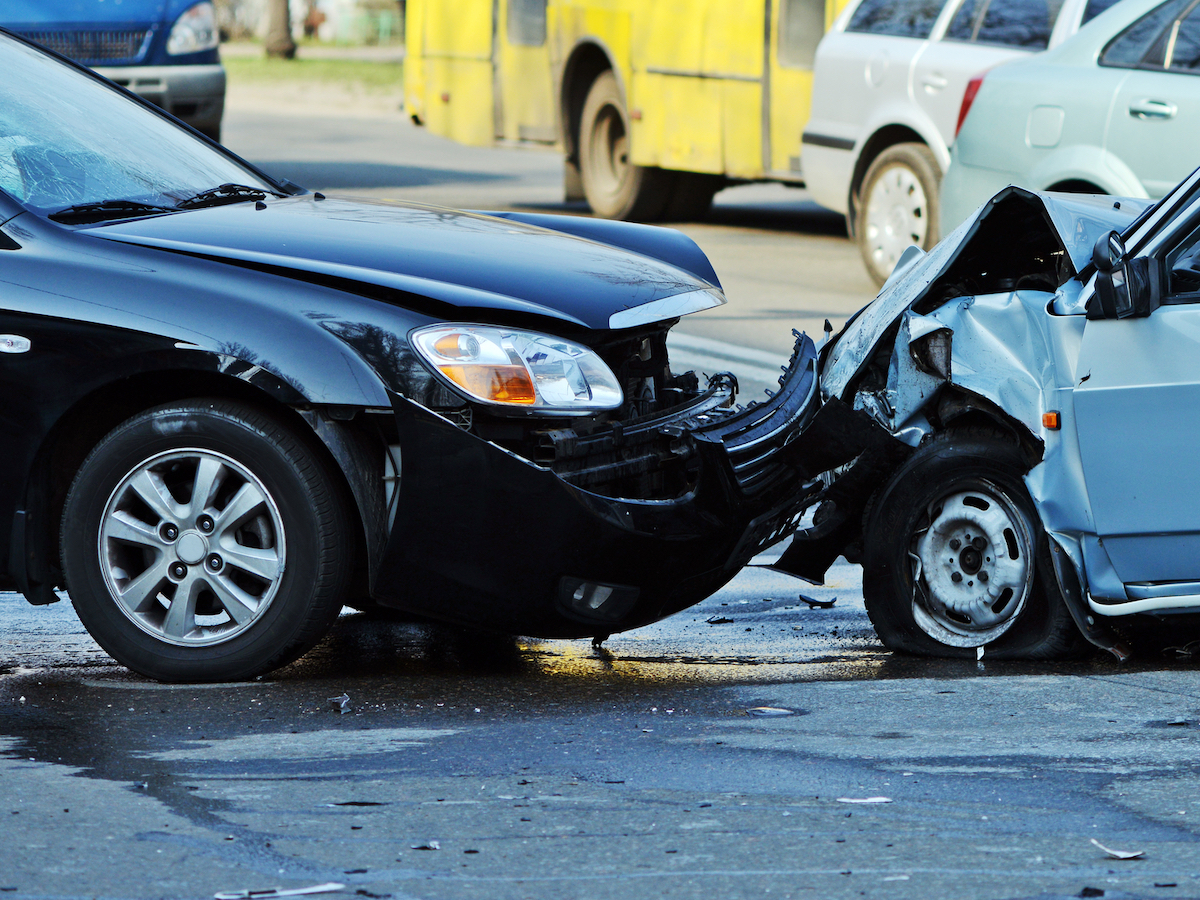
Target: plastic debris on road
<point x="814" y="603"/>
<point x="1120" y="854"/>
<point x="718" y="620"/>
<point x="769" y="712"/>
<point x="327" y="888"/>
<point x="864" y="799"/>
<point x="428" y="845"/>
<point x="341" y="704"/>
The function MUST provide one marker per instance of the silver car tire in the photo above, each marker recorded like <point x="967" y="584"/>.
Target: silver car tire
<point x="898" y="207"/>
<point x="955" y="559"/>
<point x="205" y="541"/>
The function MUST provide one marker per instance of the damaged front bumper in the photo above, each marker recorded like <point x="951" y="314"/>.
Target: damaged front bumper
<point x="534" y="552"/>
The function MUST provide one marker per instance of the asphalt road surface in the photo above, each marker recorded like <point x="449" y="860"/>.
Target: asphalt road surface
<point x="761" y="744"/>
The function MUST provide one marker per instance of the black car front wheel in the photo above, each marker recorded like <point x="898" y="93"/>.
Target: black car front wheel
<point x="205" y="542"/>
<point x="955" y="557"/>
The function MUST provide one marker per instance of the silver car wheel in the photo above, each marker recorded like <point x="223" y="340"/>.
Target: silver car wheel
<point x="192" y="547"/>
<point x="896" y="216"/>
<point x="973" y="568"/>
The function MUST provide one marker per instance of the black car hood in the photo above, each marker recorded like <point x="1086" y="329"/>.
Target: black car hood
<point x="473" y="262"/>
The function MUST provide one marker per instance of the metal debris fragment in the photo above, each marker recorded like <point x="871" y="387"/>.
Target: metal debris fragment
<point x="341" y="704"/>
<point x="718" y="619"/>
<point x="864" y="799"/>
<point x="428" y="845"/>
<point x="1120" y="854"/>
<point x="327" y="888"/>
<point x="769" y="712"/>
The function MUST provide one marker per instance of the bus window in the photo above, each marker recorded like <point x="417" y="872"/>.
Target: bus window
<point x="527" y="22"/>
<point x="801" y="26"/>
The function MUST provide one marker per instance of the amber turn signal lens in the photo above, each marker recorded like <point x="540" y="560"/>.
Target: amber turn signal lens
<point x="499" y="384"/>
<point x="1050" y="420"/>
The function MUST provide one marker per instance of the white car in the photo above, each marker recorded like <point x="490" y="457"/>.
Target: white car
<point x="1114" y="110"/>
<point x="888" y="85"/>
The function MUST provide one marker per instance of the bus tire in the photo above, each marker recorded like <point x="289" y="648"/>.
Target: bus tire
<point x="614" y="187"/>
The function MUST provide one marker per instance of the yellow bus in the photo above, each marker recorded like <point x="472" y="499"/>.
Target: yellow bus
<point x="656" y="104"/>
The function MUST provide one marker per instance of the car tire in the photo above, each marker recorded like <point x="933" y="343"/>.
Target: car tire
<point x="898" y="207"/>
<point x="614" y="187"/>
<point x="220" y="585"/>
<point x="955" y="557"/>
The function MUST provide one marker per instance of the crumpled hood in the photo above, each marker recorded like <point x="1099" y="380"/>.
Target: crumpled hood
<point x="473" y="262"/>
<point x="1016" y="240"/>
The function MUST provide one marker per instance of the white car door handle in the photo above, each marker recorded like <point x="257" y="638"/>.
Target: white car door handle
<point x="1152" y="109"/>
<point x="934" y="82"/>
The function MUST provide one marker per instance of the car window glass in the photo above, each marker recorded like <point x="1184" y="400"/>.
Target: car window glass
<point x="1182" y="53"/>
<point x="1144" y="42"/>
<point x="901" y="18"/>
<point x="1093" y="9"/>
<point x="1011" y="23"/>
<point x="527" y="22"/>
<point x="1183" y="266"/>
<point x="801" y="25"/>
<point x="67" y="139"/>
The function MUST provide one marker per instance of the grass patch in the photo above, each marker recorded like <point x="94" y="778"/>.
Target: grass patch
<point x="359" y="75"/>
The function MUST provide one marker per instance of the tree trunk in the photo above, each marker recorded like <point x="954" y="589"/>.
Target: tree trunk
<point x="279" y="30"/>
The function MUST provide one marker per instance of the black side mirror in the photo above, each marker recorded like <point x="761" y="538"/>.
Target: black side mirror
<point x="1125" y="288"/>
<point x="1109" y="252"/>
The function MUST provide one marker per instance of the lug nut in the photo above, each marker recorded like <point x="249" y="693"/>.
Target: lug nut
<point x="179" y="570"/>
<point x="979" y="543"/>
<point x="169" y="532"/>
<point x="205" y="524"/>
<point x="214" y="563"/>
<point x="983" y="577"/>
<point x="954" y="544"/>
<point x="956" y="577"/>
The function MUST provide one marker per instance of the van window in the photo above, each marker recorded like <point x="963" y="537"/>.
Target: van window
<point x="801" y="25"/>
<point x="527" y="22"/>
<point x="901" y="18"/>
<point x="1009" y="23"/>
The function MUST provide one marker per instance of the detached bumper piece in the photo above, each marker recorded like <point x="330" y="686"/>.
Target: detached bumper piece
<point x="554" y="553"/>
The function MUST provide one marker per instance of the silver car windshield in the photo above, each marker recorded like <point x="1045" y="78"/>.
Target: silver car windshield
<point x="68" y="141"/>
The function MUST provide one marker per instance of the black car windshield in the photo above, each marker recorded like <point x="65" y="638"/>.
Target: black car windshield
<point x="69" y="142"/>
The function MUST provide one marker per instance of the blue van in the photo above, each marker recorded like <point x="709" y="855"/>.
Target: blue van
<point x="163" y="50"/>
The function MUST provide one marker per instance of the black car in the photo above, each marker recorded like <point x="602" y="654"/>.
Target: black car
<point x="232" y="405"/>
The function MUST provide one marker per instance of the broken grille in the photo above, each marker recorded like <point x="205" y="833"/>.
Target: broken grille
<point x="95" y="47"/>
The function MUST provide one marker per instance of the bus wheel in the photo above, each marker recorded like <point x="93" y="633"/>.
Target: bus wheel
<point x="615" y="188"/>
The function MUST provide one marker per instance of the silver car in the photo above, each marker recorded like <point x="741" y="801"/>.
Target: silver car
<point x="888" y="87"/>
<point x="1023" y="402"/>
<point x="1113" y="110"/>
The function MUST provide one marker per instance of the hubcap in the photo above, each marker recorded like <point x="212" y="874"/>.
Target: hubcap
<point x="896" y="216"/>
<point x="973" y="568"/>
<point x="192" y="547"/>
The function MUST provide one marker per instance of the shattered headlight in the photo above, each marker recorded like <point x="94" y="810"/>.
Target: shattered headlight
<point x="522" y="369"/>
<point x="194" y="31"/>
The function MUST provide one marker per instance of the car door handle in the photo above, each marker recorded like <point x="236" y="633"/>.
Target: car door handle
<point x="1152" y="109"/>
<point x="934" y="82"/>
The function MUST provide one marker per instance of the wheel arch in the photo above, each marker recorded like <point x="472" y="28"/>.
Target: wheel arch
<point x="962" y="409"/>
<point x="34" y="552"/>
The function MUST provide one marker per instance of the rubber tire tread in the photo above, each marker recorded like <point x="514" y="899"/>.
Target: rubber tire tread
<point x="945" y="464"/>
<point x="644" y="195"/>
<point x="314" y="586"/>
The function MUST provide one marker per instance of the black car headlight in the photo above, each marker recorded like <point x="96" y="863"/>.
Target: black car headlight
<point x="519" y="369"/>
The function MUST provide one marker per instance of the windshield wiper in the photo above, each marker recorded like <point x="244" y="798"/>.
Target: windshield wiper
<point x="106" y="209"/>
<point x="225" y="193"/>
